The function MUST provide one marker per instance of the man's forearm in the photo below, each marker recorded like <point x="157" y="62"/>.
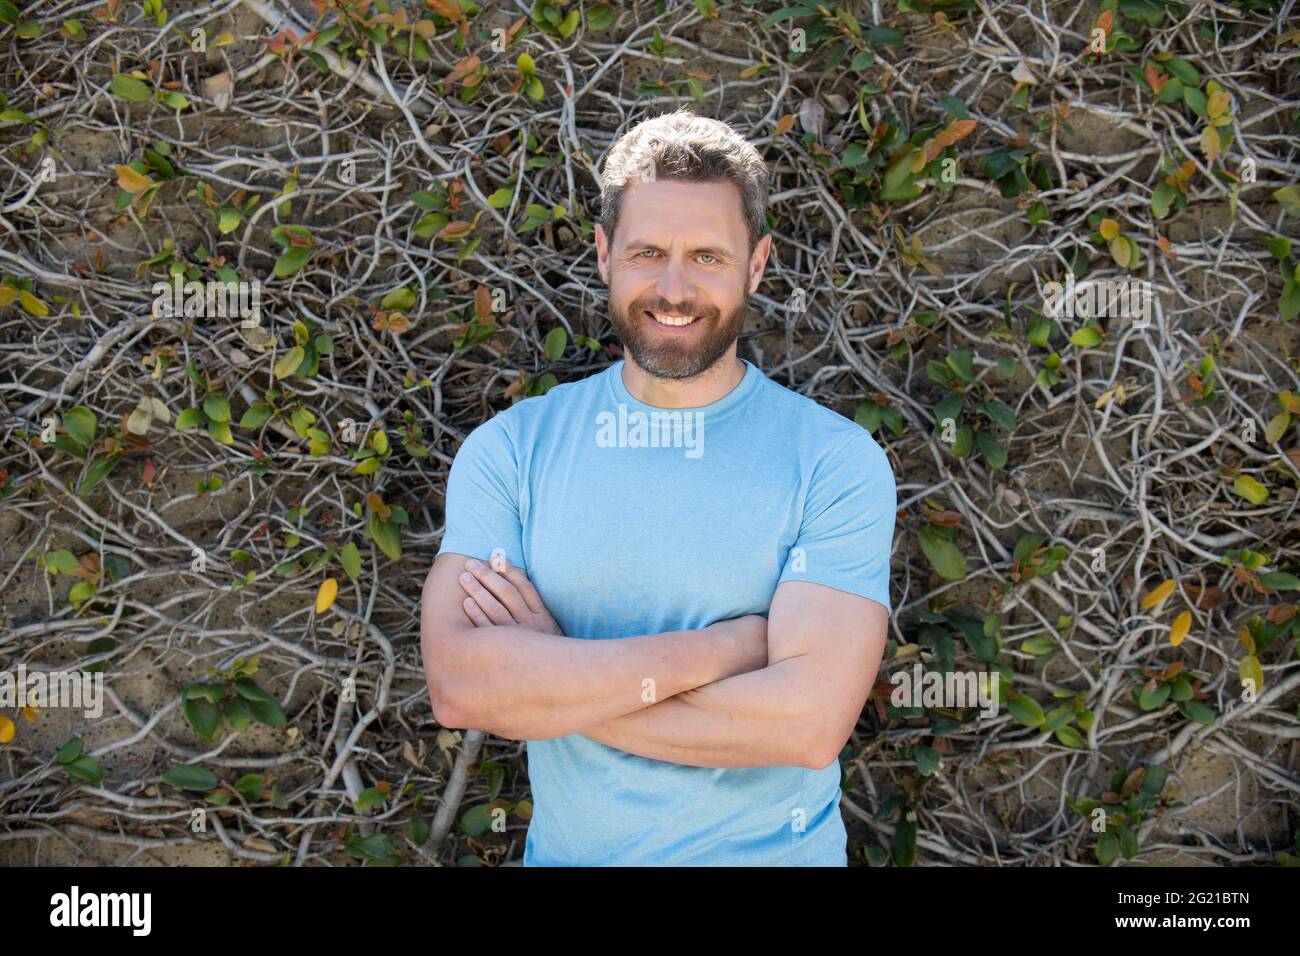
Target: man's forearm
<point x="763" y="718"/>
<point x="520" y="684"/>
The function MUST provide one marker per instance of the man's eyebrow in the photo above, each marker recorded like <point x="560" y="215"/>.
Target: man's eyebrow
<point x="712" y="250"/>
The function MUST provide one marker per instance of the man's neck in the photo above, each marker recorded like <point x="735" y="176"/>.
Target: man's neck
<point x="704" y="389"/>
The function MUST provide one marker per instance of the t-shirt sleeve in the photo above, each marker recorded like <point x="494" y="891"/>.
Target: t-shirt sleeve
<point x="847" y="533"/>
<point x="482" y="506"/>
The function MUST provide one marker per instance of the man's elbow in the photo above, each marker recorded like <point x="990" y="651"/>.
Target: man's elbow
<point x="820" y="747"/>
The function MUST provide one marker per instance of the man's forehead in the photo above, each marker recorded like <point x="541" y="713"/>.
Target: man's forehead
<point x="710" y="212"/>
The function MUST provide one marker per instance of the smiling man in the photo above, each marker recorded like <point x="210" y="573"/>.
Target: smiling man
<point x="688" y="591"/>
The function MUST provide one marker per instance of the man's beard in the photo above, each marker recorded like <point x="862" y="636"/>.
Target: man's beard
<point x="676" y="356"/>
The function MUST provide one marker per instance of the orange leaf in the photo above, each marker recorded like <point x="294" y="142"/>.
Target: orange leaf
<point x="783" y="125"/>
<point x="329" y="590"/>
<point x="456" y="230"/>
<point x="131" y="181"/>
<point x="1104" y="21"/>
<point x="1158" y="595"/>
<point x="1182" y="624"/>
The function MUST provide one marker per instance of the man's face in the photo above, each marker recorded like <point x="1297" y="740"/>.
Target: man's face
<point x="680" y="252"/>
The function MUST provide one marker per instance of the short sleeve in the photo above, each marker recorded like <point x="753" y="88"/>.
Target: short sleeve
<point x="847" y="533"/>
<point x="482" y="506"/>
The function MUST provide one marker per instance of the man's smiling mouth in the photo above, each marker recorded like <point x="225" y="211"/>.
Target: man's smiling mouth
<point x="673" y="320"/>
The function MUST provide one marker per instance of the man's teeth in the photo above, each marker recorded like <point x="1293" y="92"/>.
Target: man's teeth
<point x="673" y="319"/>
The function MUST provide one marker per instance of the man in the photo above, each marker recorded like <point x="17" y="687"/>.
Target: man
<point x="706" y="594"/>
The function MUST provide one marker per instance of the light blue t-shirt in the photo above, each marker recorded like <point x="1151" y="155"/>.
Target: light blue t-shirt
<point x="632" y="519"/>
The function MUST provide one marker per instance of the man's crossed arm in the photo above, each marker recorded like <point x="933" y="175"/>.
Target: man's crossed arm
<point x="716" y="703"/>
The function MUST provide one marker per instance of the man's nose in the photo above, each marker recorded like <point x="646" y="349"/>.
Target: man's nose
<point x="674" y="284"/>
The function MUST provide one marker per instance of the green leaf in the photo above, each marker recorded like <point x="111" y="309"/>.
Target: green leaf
<point x="350" y="558"/>
<point x="1185" y="72"/>
<point x="1001" y="413"/>
<point x="217" y="407"/>
<point x="399" y="299"/>
<point x="85" y="768"/>
<point x="268" y="712"/>
<point x="475" y="821"/>
<point x="1087" y="336"/>
<point x="419" y="829"/>
<point x="1025" y="710"/>
<point x="176" y="101"/>
<point x="991" y="449"/>
<point x="220" y="431"/>
<point x="556" y="340"/>
<point x="99" y="469"/>
<point x="1198" y="711"/>
<point x="1196" y="100"/>
<point x="203" y="716"/>
<point x="927" y="759"/>
<point x="190" y="418"/>
<point x="1069" y="736"/>
<point x="1162" y="197"/>
<point x="61" y="561"/>
<point x="1107" y="848"/>
<point x="292" y="260"/>
<point x="943" y="555"/>
<point x="70" y="751"/>
<point x="598" y="18"/>
<point x="386" y="535"/>
<point x="1276" y="580"/>
<point x="370" y="797"/>
<point x="257" y="415"/>
<point x="129" y="88"/>
<point x="1289" y="197"/>
<point x="81" y="424"/>
<point x="187" y="777"/>
<point x="903" y="842"/>
<point x="237" y="713"/>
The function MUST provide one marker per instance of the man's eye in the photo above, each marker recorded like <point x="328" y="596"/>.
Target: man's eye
<point x="644" y="251"/>
<point x="707" y="255"/>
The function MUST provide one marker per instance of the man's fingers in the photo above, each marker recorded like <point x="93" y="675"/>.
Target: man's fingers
<point x="519" y="579"/>
<point x="490" y="606"/>
<point x="501" y="588"/>
<point x="475" y="613"/>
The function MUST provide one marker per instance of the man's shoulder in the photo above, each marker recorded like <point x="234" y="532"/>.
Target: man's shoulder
<point x="532" y="412"/>
<point x="820" y="430"/>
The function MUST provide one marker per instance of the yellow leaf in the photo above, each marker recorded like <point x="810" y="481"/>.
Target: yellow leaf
<point x="1218" y="103"/>
<point x="1109" y="229"/>
<point x="7" y="294"/>
<point x="6" y="730"/>
<point x="1182" y="624"/>
<point x="1243" y="635"/>
<point x="329" y="590"/>
<point x="132" y="181"/>
<point x="1210" y="144"/>
<point x="783" y="125"/>
<point x="33" y="305"/>
<point x="1120" y="251"/>
<point x="1277" y="427"/>
<point x="288" y="363"/>
<point x="1249" y="669"/>
<point x="1250" y="489"/>
<point x="1158" y="596"/>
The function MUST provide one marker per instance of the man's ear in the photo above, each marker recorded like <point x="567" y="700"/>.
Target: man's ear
<point x="758" y="261"/>
<point x="602" y="253"/>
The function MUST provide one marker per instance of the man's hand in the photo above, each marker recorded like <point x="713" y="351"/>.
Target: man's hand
<point x="506" y="596"/>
